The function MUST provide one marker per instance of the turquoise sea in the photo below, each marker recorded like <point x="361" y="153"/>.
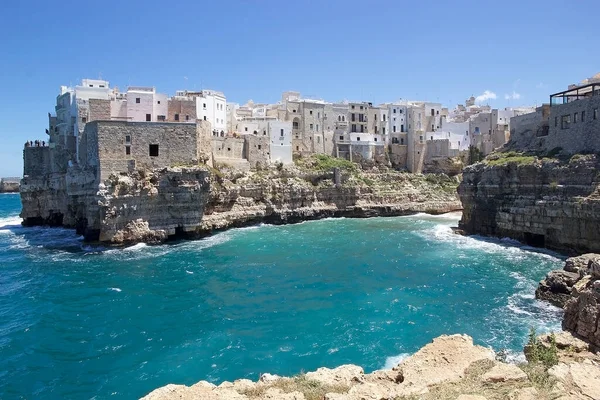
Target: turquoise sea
<point x="79" y="321"/>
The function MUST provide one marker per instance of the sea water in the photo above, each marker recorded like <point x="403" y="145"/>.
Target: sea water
<point x="86" y="321"/>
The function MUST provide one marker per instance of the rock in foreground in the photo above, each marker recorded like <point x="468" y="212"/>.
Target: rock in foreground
<point x="450" y="367"/>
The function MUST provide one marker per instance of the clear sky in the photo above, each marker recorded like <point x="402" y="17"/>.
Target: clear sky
<point x="357" y="50"/>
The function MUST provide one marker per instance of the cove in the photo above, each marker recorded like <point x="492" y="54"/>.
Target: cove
<point x="79" y="321"/>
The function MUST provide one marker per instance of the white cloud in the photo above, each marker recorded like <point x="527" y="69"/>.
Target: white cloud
<point x="513" y="96"/>
<point x="486" y="95"/>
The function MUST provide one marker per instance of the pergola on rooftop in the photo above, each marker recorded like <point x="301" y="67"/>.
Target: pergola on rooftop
<point x="576" y="93"/>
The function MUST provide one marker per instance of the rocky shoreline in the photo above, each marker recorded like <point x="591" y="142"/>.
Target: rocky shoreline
<point x="153" y="206"/>
<point x="547" y="200"/>
<point x="450" y="367"/>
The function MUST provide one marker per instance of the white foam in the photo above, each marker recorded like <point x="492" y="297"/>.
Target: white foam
<point x="10" y="222"/>
<point x="392" y="361"/>
<point x="135" y="247"/>
<point x="189" y="272"/>
<point x="115" y="289"/>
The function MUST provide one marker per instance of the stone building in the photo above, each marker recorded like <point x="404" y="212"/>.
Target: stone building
<point x="570" y="123"/>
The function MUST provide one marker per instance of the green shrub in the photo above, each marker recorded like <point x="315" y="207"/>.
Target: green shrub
<point x="537" y="353"/>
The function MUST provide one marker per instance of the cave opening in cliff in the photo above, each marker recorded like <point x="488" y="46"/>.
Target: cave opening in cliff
<point x="534" y="239"/>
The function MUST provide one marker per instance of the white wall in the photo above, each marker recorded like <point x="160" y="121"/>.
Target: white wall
<point x="457" y="132"/>
<point x="368" y="138"/>
<point x="281" y="141"/>
<point x="212" y="107"/>
<point x="161" y="106"/>
<point x="138" y="111"/>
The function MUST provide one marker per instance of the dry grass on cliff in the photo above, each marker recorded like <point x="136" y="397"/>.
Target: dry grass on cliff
<point x="473" y="384"/>
<point x="312" y="389"/>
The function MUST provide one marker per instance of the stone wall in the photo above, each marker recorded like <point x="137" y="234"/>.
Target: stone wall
<point x="36" y="161"/>
<point x="398" y="155"/>
<point x="150" y="145"/>
<point x="181" y="110"/>
<point x="99" y="110"/>
<point x="258" y="149"/>
<point x="581" y="135"/>
<point x="228" y="147"/>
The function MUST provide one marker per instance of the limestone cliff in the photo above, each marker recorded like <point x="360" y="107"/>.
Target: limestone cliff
<point x="543" y="201"/>
<point x="449" y="368"/>
<point x="154" y="205"/>
<point x="576" y="288"/>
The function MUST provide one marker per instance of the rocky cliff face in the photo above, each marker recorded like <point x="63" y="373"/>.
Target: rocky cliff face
<point x="542" y="201"/>
<point x="449" y="368"/>
<point x="576" y="288"/>
<point x="153" y="205"/>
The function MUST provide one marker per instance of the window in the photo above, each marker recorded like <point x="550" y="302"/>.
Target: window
<point x="595" y="113"/>
<point x="343" y="118"/>
<point x="205" y="117"/>
<point x="582" y="116"/>
<point x="341" y="138"/>
<point x="555" y="121"/>
<point x="353" y="127"/>
<point x="318" y="115"/>
<point x="246" y="129"/>
<point x="158" y="102"/>
<point x="394" y="111"/>
<point x="402" y="128"/>
<point x="311" y="127"/>
<point x="204" y="105"/>
<point x="264" y="132"/>
<point x="352" y="118"/>
<point x="297" y="148"/>
<point x="394" y="128"/>
<point x="148" y="117"/>
<point x="127" y="150"/>
<point x="358" y="138"/>
<point x="229" y="149"/>
<point x="318" y="139"/>
<point x="401" y="140"/>
<point x="310" y="112"/>
<point x="353" y="107"/>
<point x="293" y="110"/>
<point x="127" y="139"/>
<point x="339" y="118"/>
<point x="259" y="146"/>
<point x="281" y="132"/>
<point x="432" y="138"/>
<point x="361" y="107"/>
<point x="153" y="150"/>
<point x="575" y="117"/>
<point x="176" y="117"/>
<point x="295" y="125"/>
<point x="432" y="112"/>
<point x="187" y="117"/>
<point x="400" y="111"/>
<point x="421" y="138"/>
<point x="432" y="127"/>
<point x="565" y="121"/>
<point x="137" y="100"/>
<point x="317" y="127"/>
<point x="160" y="118"/>
<point x="383" y="130"/>
<point x="384" y="117"/>
<point x="375" y="139"/>
<point x="438" y="112"/>
<point x="83" y="120"/>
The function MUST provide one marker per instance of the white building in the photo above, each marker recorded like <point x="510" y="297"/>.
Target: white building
<point x="144" y="104"/>
<point x="211" y="106"/>
<point x="281" y="141"/>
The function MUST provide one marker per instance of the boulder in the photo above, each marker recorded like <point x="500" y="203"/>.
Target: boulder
<point x="441" y="361"/>
<point x="579" y="263"/>
<point x="344" y="374"/>
<point x="504" y="373"/>
<point x="582" y="314"/>
<point x="584" y="377"/>
<point x="556" y="287"/>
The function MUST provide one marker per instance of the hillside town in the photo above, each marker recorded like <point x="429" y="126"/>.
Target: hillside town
<point x="416" y="136"/>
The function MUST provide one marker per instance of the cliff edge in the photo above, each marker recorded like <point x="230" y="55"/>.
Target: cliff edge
<point x="450" y="367"/>
<point x="155" y="205"/>
<point x="544" y="201"/>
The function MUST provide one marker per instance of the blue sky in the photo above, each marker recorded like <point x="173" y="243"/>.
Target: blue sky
<point x="375" y="51"/>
